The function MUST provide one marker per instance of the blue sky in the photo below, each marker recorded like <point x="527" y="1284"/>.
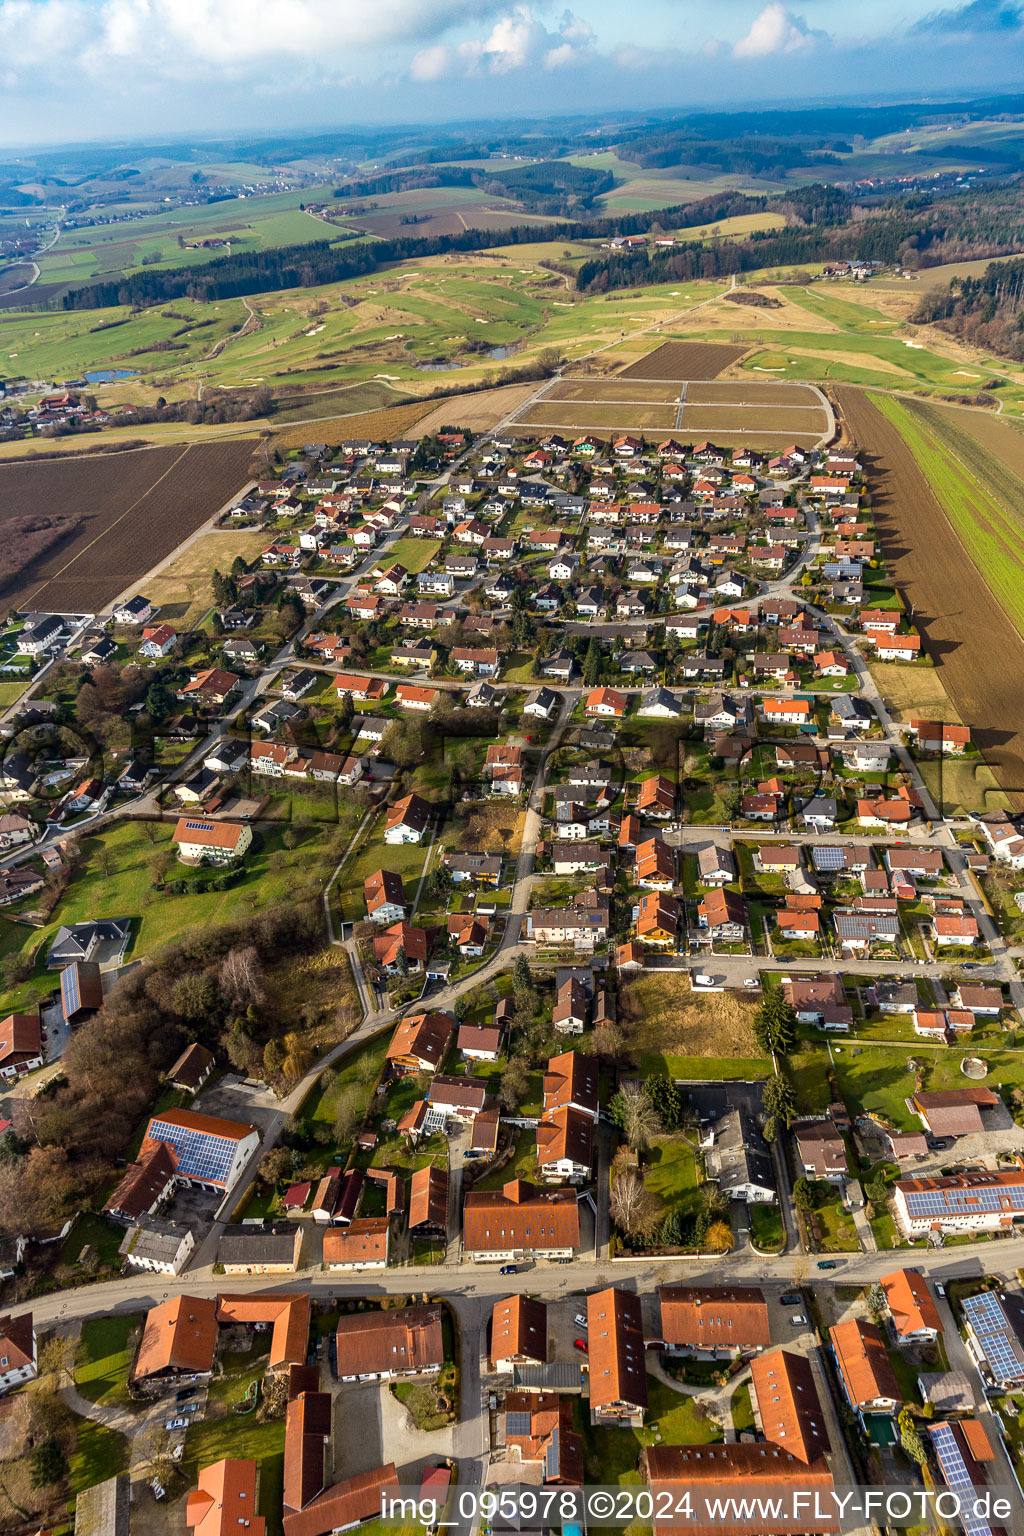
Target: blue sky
<point x="87" y="69"/>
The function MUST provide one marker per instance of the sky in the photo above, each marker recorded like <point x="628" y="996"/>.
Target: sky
<point x="97" y="69"/>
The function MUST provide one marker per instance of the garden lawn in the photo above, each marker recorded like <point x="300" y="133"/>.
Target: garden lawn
<point x="99" y="1453"/>
<point x="670" y="1172"/>
<point x="522" y="1166"/>
<point x="108" y="1346"/>
<point x="414" y="554"/>
<point x="322" y="1103"/>
<point x="610" y="1455"/>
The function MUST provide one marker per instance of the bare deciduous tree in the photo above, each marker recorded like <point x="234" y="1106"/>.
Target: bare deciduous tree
<point x="632" y="1208"/>
<point x="640" y="1120"/>
<point x="241" y="977"/>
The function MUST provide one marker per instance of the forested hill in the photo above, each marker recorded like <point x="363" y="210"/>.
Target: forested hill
<point x="987" y="311"/>
<point x="308" y="266"/>
<point x="916" y="232"/>
<point x="553" y="188"/>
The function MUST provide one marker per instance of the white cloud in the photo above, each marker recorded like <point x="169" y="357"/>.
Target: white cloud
<point x="518" y="40"/>
<point x="180" y="38"/>
<point x="775" y="30"/>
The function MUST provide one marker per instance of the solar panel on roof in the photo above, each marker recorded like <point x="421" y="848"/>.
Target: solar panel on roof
<point x="517" y="1423"/>
<point x="200" y="1155"/>
<point x="1002" y="1348"/>
<point x="956" y="1476"/>
<point x="552" y="1456"/>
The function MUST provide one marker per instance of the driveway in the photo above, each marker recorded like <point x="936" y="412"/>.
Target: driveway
<point x="358" y="1429"/>
<point x="408" y="1447"/>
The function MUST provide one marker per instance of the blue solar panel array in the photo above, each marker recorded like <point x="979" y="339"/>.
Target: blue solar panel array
<point x="71" y="996"/>
<point x="200" y="1155"/>
<point x="956" y="1476"/>
<point x="828" y="858"/>
<point x="1003" y="1350"/>
<point x="971" y="1199"/>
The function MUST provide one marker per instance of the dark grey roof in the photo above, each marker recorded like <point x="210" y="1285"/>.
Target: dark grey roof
<point x="256" y="1245"/>
<point x="556" y="1376"/>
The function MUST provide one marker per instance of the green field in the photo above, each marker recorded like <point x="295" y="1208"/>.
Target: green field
<point x="980" y="497"/>
<point x="108" y="1346"/>
<point x="120" y="865"/>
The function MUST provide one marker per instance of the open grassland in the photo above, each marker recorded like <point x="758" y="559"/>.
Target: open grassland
<point x="845" y="315"/>
<point x="249" y="224"/>
<point x="477" y="412"/>
<point x="981" y="498"/>
<point x="979" y="654"/>
<point x="135" y="508"/>
<point x="183" y="590"/>
<point x="912" y="692"/>
<point x="856" y="358"/>
<point x="683" y="360"/>
<point x="687" y="1033"/>
<point x="962" y="786"/>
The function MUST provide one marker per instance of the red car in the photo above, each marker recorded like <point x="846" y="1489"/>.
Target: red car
<point x="581" y="1344"/>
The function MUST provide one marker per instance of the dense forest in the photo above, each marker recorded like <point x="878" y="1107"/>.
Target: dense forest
<point x="913" y="232"/>
<point x="554" y="188"/>
<point x="987" y="311"/>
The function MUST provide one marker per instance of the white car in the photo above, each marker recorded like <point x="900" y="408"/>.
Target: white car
<point x="798" y="1320"/>
<point x="580" y="1320"/>
<point x="176" y="1424"/>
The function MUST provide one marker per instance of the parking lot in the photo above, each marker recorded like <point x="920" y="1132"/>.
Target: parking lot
<point x="238" y="1098"/>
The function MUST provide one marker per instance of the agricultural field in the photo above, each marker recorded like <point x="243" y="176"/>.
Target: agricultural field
<point x="766" y="414"/>
<point x="980" y="496"/>
<point x="608" y="391"/>
<point x="978" y="652"/>
<point x="247" y="224"/>
<point x="134" y="509"/>
<point x="683" y="360"/>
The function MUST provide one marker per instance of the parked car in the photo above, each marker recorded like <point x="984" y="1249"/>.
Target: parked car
<point x="509" y="1269"/>
<point x="581" y="1344"/>
<point x="580" y="1320"/>
<point x="798" y="1320"/>
<point x="940" y="1289"/>
<point x="939" y="1143"/>
<point x="176" y="1424"/>
<point x="827" y="1264"/>
<point x="184" y="1393"/>
<point x="791" y="1299"/>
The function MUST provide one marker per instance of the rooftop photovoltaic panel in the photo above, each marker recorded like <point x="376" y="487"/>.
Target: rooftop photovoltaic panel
<point x="200" y="1155"/>
<point x="966" y="1200"/>
<point x="825" y="857"/>
<point x="1003" y="1350"/>
<point x="956" y="1476"/>
<point x="517" y="1423"/>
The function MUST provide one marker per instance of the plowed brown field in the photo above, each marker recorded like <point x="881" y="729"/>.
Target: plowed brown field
<point x="136" y="507"/>
<point x="979" y="654"/>
<point x="612" y="391"/>
<point x="683" y="360"/>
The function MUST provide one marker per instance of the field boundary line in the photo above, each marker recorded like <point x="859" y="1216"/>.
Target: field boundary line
<point x="682" y="402"/>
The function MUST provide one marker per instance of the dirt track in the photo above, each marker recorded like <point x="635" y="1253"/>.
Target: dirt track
<point x="979" y="654"/>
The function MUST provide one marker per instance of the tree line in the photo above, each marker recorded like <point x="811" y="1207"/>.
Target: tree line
<point x="307" y="266"/>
